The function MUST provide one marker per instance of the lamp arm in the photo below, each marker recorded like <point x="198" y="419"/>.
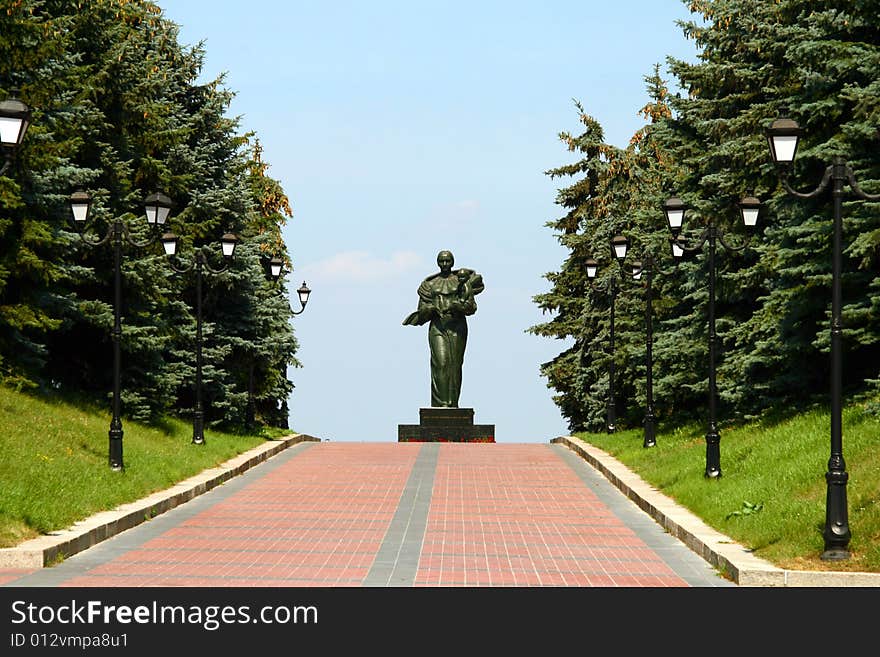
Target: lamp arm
<point x="783" y="176"/>
<point x="701" y="240"/>
<point x="858" y="190"/>
<point x="216" y="271"/>
<point x="656" y="269"/>
<point x="650" y="266"/>
<point x="212" y="270"/>
<point x="98" y="242"/>
<point x="128" y="238"/>
<point x="6" y="165"/>
<point x="636" y="271"/>
<point x="729" y="246"/>
<point x="180" y="270"/>
<point x="298" y="312"/>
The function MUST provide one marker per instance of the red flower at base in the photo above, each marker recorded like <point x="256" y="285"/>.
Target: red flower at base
<point x="483" y="439"/>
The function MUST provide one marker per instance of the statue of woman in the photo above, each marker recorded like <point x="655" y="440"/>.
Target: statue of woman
<point x="445" y="299"/>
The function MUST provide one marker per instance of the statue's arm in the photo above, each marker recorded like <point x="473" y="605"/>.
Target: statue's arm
<point x="467" y="304"/>
<point x="427" y="301"/>
<point x="426" y="310"/>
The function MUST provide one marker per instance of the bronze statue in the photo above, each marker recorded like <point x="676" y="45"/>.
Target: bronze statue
<point x="445" y="300"/>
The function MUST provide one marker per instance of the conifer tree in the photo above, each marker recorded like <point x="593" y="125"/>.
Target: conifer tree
<point x="620" y="193"/>
<point x="568" y="297"/>
<point x="648" y="173"/>
<point x="119" y="112"/>
<point x="819" y="62"/>
<point x="274" y="345"/>
<point x="135" y="86"/>
<point x="36" y="60"/>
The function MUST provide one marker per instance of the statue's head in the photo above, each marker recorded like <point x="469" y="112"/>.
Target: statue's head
<point x="445" y="261"/>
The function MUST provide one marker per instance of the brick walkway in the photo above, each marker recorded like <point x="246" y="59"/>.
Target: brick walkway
<point x="395" y="514"/>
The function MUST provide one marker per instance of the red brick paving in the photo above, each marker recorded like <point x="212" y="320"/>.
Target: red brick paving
<point x="12" y="574"/>
<point x="318" y="520"/>
<point x="517" y="515"/>
<point x="500" y="515"/>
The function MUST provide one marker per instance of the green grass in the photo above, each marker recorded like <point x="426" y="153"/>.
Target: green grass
<point x="771" y="495"/>
<point x="54" y="469"/>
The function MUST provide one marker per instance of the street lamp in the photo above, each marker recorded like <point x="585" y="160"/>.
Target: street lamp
<point x="276" y="267"/>
<point x="80" y="205"/>
<point x="782" y="137"/>
<point x="274" y="271"/>
<point x="15" y="117"/>
<point x="647" y="267"/>
<point x="675" y="209"/>
<point x="619" y="248"/>
<point x="592" y="268"/>
<point x="302" y="293"/>
<point x="170" y="243"/>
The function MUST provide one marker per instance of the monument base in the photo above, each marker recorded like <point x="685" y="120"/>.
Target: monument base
<point x="446" y="425"/>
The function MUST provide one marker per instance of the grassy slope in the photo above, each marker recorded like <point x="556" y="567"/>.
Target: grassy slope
<point x="776" y="464"/>
<point x="54" y="468"/>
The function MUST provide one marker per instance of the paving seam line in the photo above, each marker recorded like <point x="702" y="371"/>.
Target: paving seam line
<point x="719" y="550"/>
<point x="397" y="561"/>
<point x="45" y="550"/>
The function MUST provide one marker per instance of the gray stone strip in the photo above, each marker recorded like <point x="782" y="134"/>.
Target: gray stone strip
<point x="397" y="561"/>
<point x="143" y="519"/>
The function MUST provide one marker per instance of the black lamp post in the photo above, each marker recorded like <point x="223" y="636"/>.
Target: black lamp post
<point x="15" y="117"/>
<point x="610" y="405"/>
<point x="170" y="242"/>
<point x="675" y="211"/>
<point x="157" y="207"/>
<point x="782" y="136"/>
<point x="619" y="247"/>
<point x="274" y="271"/>
<point x="648" y="267"/>
<point x="592" y="268"/>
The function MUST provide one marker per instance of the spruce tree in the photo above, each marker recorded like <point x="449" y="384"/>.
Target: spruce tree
<point x="619" y="194"/>
<point x="266" y="344"/>
<point x="568" y="297"/>
<point x="37" y="61"/>
<point x="119" y="113"/>
<point x="818" y="62"/>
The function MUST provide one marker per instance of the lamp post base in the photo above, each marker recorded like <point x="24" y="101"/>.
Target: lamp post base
<point x="116" y="450"/>
<point x="835" y="554"/>
<point x="836" y="533"/>
<point x="713" y="455"/>
<point x="650" y="434"/>
<point x="198" y="430"/>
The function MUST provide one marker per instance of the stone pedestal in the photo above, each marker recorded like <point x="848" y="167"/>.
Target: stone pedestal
<point x="446" y="425"/>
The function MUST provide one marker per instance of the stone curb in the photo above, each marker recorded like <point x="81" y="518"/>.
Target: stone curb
<point x="719" y="550"/>
<point x="45" y="550"/>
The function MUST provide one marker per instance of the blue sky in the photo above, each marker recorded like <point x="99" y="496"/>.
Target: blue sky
<point x="399" y="129"/>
